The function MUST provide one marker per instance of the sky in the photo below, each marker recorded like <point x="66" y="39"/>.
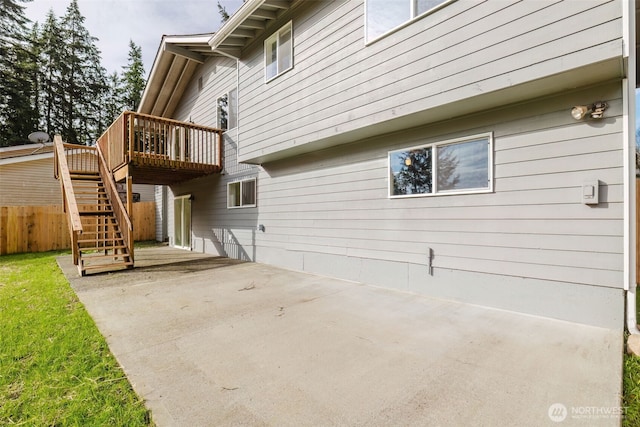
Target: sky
<point x="115" y="22"/>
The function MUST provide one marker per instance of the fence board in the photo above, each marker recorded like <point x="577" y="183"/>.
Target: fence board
<point x="44" y="228"/>
<point x="144" y="221"/>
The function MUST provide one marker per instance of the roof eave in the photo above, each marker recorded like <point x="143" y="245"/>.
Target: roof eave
<point x="242" y="14"/>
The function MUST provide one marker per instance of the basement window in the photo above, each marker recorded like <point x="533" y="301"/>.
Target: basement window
<point x="241" y="194"/>
<point x="462" y="165"/>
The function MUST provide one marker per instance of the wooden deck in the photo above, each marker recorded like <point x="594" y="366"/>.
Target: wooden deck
<point x="153" y="150"/>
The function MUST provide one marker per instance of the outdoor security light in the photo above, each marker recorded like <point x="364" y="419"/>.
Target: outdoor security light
<point x="596" y="109"/>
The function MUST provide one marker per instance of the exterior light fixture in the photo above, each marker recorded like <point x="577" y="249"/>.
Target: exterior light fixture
<point x="596" y="110"/>
<point x="407" y="161"/>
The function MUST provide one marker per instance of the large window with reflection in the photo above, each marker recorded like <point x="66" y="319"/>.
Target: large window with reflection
<point x="448" y="167"/>
<point x="383" y="16"/>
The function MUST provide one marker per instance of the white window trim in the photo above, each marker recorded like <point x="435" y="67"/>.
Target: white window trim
<point x="434" y="165"/>
<point x="276" y="34"/>
<point x="242" y="181"/>
<point x="401" y="26"/>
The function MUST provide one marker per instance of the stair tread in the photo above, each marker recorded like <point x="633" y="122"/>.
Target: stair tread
<point x="103" y="248"/>
<point x="107" y="266"/>
<point x="87" y="176"/>
<point x="106" y="213"/>
<point x="117" y="239"/>
<point x="96" y="256"/>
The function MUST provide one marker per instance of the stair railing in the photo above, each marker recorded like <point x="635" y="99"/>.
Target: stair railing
<point x="121" y="214"/>
<point x="61" y="172"/>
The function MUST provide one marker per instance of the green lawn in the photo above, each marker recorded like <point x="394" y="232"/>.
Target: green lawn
<point x="55" y="367"/>
<point x="631" y="384"/>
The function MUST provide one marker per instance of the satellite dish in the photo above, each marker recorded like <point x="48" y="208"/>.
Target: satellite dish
<point x="39" y="136"/>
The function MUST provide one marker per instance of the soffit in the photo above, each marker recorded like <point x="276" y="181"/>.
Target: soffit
<point x="253" y="17"/>
<point x="177" y="59"/>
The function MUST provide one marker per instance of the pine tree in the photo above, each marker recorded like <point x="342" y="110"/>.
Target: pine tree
<point x="133" y="78"/>
<point x="112" y="100"/>
<point x="50" y="44"/>
<point x="17" y="115"/>
<point x="224" y="16"/>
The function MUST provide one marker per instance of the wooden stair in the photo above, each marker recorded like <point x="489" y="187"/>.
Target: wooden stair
<point x="101" y="246"/>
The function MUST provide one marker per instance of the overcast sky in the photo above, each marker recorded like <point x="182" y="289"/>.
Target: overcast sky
<point x="115" y="22"/>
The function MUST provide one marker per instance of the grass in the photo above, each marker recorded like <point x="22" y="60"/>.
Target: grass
<point x="55" y="367"/>
<point x="631" y="385"/>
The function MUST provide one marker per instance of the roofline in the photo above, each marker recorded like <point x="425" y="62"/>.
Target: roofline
<point x="25" y="158"/>
<point x="162" y="48"/>
<point x="247" y="8"/>
<point x="25" y="146"/>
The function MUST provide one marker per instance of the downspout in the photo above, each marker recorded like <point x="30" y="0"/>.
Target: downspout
<point x="629" y="126"/>
<point x="237" y="107"/>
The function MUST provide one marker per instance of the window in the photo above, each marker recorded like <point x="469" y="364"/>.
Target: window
<point x="382" y="16"/>
<point x="241" y="194"/>
<point x="454" y="166"/>
<point x="278" y="52"/>
<point x="227" y="110"/>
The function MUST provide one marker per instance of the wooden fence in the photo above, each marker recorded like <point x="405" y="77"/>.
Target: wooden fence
<point x="44" y="228"/>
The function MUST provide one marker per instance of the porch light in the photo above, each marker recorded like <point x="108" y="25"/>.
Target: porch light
<point x="596" y="110"/>
<point x="407" y="161"/>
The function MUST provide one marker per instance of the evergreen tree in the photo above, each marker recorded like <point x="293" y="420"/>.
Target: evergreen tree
<point x="17" y="115"/>
<point x="224" y="16"/>
<point x="133" y="78"/>
<point x="50" y="45"/>
<point x="112" y="100"/>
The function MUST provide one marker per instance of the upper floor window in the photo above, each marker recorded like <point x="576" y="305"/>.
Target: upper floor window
<point x="455" y="166"/>
<point x="227" y="110"/>
<point x="382" y="16"/>
<point x="278" y="52"/>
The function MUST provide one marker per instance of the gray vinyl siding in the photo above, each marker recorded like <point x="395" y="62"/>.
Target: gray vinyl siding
<point x="465" y="50"/>
<point x="215" y="228"/>
<point x="522" y="247"/>
<point x="146" y="192"/>
<point x="160" y="197"/>
<point x="199" y="106"/>
<point x="28" y="183"/>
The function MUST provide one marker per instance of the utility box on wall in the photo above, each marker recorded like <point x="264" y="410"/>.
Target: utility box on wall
<point x="591" y="192"/>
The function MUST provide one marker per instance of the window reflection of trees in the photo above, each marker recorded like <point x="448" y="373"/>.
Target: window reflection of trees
<point x="448" y="178"/>
<point x="415" y="175"/>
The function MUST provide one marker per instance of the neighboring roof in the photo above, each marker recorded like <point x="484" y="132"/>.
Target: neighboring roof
<point x="246" y="24"/>
<point x="174" y="65"/>
<point x="27" y="152"/>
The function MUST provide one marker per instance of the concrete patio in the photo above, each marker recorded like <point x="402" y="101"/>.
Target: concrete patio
<point x="209" y="341"/>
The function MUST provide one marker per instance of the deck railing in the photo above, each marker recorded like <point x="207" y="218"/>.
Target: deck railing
<point x="61" y="170"/>
<point x="161" y="142"/>
<point x="119" y="211"/>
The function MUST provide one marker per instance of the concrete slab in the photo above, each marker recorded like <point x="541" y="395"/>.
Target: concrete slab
<point x="212" y="341"/>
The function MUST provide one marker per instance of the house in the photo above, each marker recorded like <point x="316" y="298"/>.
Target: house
<point x="26" y="177"/>
<point x="474" y="151"/>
